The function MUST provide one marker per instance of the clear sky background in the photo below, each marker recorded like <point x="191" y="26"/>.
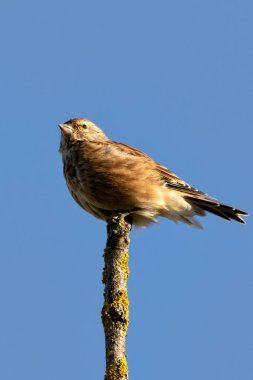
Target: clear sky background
<point x="174" y="79"/>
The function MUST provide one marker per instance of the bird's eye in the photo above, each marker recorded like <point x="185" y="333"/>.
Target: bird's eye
<point x="84" y="126"/>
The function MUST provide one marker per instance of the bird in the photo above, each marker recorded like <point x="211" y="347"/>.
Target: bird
<point x="106" y="177"/>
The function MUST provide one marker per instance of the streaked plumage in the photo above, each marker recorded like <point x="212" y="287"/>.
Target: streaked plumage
<point x="105" y="176"/>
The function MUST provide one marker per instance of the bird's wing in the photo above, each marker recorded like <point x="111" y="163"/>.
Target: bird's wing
<point x="198" y="199"/>
<point x="170" y="179"/>
<point x="173" y="181"/>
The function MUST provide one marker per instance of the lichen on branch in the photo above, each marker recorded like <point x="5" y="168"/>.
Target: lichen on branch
<point x="115" y="311"/>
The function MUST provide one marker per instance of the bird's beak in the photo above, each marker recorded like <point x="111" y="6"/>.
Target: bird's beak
<point x="65" y="128"/>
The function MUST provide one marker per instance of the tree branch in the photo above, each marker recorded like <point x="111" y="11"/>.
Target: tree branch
<point x="115" y="312"/>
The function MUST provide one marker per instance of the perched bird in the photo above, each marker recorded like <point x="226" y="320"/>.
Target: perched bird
<point x="105" y="177"/>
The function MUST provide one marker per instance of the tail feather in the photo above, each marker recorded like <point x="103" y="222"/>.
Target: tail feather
<point x="190" y="221"/>
<point x="217" y="208"/>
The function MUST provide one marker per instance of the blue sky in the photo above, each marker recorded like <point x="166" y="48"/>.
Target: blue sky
<point x="173" y="79"/>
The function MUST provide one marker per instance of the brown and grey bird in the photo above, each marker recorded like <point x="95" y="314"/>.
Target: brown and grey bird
<point x="104" y="177"/>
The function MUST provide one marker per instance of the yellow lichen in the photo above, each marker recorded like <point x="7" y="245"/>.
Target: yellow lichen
<point x="124" y="264"/>
<point x="112" y="308"/>
<point x="117" y="371"/>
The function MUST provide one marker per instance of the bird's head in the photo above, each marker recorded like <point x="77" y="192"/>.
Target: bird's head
<point x="80" y="129"/>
